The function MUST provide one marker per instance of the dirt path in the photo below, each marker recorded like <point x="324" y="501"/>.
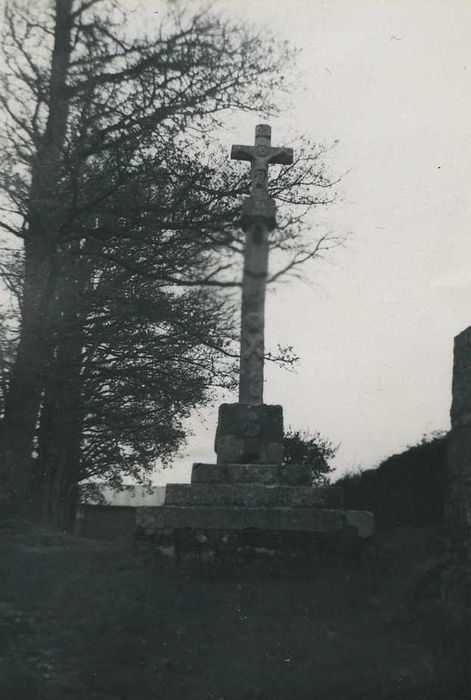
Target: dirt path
<point x="87" y="620"/>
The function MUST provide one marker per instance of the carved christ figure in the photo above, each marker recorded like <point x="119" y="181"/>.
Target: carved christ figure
<point x="261" y="155"/>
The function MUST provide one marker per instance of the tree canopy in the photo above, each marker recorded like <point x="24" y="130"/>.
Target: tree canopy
<point x="302" y="447"/>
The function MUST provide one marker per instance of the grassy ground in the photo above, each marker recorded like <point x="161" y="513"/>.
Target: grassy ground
<point x="85" y="620"/>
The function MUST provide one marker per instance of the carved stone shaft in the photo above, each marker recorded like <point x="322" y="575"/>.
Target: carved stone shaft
<point x="252" y="347"/>
<point x="258" y="219"/>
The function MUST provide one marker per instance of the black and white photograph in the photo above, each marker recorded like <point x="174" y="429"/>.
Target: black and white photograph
<point x="235" y="350"/>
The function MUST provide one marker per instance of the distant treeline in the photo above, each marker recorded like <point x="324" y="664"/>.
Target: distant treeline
<point x="406" y="489"/>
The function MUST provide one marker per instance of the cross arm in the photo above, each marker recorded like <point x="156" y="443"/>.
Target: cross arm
<point x="282" y="156"/>
<point x="242" y="152"/>
<point x="267" y="154"/>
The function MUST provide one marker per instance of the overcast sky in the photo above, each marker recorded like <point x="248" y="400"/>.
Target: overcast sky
<point x="390" y="82"/>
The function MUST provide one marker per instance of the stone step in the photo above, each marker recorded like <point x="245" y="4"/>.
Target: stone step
<point x="253" y="495"/>
<point x="152" y="520"/>
<point x="269" y="474"/>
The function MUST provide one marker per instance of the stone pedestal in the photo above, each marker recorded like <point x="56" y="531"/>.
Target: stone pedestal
<point x="249" y="496"/>
<point x="241" y="504"/>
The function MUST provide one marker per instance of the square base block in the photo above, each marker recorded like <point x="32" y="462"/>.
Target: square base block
<point x="249" y="434"/>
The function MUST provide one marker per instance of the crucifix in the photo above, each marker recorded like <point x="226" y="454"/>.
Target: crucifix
<point x="258" y="219"/>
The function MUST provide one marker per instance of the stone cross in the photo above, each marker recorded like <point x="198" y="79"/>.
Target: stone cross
<point x="258" y="219"/>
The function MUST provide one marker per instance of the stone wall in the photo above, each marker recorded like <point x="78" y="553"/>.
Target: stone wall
<point x="130" y="495"/>
<point x="106" y="522"/>
<point x="114" y="516"/>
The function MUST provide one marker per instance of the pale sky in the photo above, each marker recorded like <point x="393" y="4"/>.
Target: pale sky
<point x="374" y="326"/>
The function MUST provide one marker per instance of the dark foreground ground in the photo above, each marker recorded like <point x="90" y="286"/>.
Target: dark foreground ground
<point x="85" y="620"/>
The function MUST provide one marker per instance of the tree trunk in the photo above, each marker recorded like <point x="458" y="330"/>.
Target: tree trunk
<point x="57" y="470"/>
<point x="23" y="400"/>
<point x="28" y="372"/>
<point x="60" y="431"/>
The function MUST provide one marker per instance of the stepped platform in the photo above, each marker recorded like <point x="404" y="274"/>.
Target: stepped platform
<point x="239" y="504"/>
<point x="249" y="497"/>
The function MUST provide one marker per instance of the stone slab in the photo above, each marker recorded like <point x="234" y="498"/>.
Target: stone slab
<point x="461" y="389"/>
<point x="249" y="433"/>
<point x="253" y="495"/>
<point x="152" y="520"/>
<point x="269" y="474"/>
<point x="459" y="451"/>
<point x="457" y="506"/>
